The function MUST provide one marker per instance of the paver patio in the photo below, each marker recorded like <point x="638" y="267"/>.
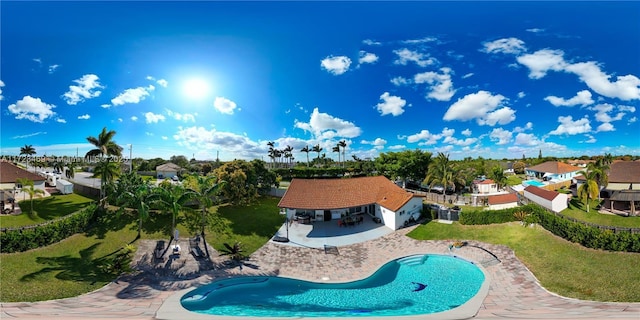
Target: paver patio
<point x="514" y="292"/>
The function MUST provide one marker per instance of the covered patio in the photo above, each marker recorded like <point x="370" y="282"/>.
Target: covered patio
<point x="626" y="202"/>
<point x="318" y="234"/>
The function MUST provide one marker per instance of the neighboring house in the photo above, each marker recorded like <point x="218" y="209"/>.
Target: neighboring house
<point x="553" y="171"/>
<point x="328" y="199"/>
<point x="485" y="186"/>
<point x="503" y="201"/>
<point x="623" y="191"/>
<point x="576" y="183"/>
<point x="9" y="173"/>
<point x="551" y="200"/>
<point x="167" y="170"/>
<point x="580" y="163"/>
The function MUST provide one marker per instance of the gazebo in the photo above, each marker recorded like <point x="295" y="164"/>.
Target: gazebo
<point x="625" y="196"/>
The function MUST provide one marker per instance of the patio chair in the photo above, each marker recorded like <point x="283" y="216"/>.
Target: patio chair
<point x="157" y="252"/>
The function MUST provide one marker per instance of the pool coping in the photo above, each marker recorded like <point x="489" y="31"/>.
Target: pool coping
<point x="172" y="309"/>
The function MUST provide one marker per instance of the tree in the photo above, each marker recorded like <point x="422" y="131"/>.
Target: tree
<point x="336" y="149"/>
<point x="204" y="190"/>
<point x="443" y="172"/>
<point x="180" y="160"/>
<point x="497" y="174"/>
<point x="272" y="152"/>
<point x="317" y="149"/>
<point x="241" y="185"/>
<point x="589" y="189"/>
<point x="288" y="153"/>
<point x="27" y="150"/>
<point x="518" y="167"/>
<point x="172" y="199"/>
<point x="306" y="150"/>
<point x="107" y="172"/>
<point x="31" y="190"/>
<point x="131" y="191"/>
<point x="343" y="145"/>
<point x="105" y="147"/>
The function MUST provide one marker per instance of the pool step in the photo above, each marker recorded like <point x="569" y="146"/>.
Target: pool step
<point x="413" y="260"/>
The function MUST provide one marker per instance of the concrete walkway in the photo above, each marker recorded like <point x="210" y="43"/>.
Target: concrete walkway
<point x="514" y="292"/>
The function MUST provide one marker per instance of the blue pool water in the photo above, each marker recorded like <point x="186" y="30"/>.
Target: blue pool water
<point x="532" y="183"/>
<point x="412" y="285"/>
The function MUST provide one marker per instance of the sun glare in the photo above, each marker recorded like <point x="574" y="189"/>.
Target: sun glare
<point x="196" y="88"/>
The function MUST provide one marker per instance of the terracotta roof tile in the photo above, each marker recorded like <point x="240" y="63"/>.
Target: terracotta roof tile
<point x="10" y="172"/>
<point x="624" y="172"/>
<point x="542" y="193"/>
<point x="554" y="167"/>
<point x="326" y="194"/>
<point x="486" y="181"/>
<point x="503" y="198"/>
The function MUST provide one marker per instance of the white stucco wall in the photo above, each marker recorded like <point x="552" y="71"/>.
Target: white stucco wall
<point x="623" y="186"/>
<point x="558" y="204"/>
<point x="502" y="206"/>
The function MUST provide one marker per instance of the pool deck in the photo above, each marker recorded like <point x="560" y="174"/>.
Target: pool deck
<point x="514" y="293"/>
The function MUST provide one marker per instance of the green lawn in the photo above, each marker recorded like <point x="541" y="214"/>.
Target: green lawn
<point x="562" y="267"/>
<point x="514" y="180"/>
<point x="577" y="210"/>
<point x="73" y="266"/>
<point x="45" y="209"/>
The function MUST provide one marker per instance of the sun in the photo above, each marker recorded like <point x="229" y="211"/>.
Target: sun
<point x="195" y="88"/>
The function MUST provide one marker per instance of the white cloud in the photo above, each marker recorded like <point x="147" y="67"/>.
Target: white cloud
<point x="623" y="108"/>
<point x="336" y="65"/>
<point x="602" y="113"/>
<point x="86" y="88"/>
<point x="400" y="81"/>
<point x="582" y="98"/>
<point x="506" y="45"/>
<point x="132" y="95"/>
<point x="370" y="42"/>
<point x="224" y="105"/>
<point x="569" y="127"/>
<point x="134" y="118"/>
<point x="105" y="105"/>
<point x="527" y="139"/>
<point x="591" y="139"/>
<point x="468" y="75"/>
<point x="234" y="145"/>
<point x="521" y="94"/>
<point x="84" y="117"/>
<point x="325" y="126"/>
<point x="378" y="143"/>
<point x="367" y="57"/>
<point x="480" y="106"/>
<point x="396" y="147"/>
<point x="420" y="41"/>
<point x="500" y="135"/>
<point x="466" y="132"/>
<point x="151" y="117"/>
<point x="440" y="84"/>
<point x="53" y="68"/>
<point x="632" y="120"/>
<point x="535" y="30"/>
<point x="164" y="138"/>
<point x="32" y="109"/>
<point x="186" y="117"/>
<point x="163" y="83"/>
<point x="542" y="61"/>
<point x="1" y="85"/>
<point x="60" y="120"/>
<point x="604" y="127"/>
<point x="425" y="136"/>
<point x="527" y="126"/>
<point x="391" y="105"/>
<point x="405" y="56"/>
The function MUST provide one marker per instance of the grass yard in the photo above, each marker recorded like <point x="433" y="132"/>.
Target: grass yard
<point x="514" y="180"/>
<point x="45" y="209"/>
<point x="577" y="210"/>
<point x="562" y="267"/>
<point x="74" y="266"/>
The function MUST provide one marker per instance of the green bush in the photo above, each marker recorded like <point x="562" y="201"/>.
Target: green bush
<point x="23" y="239"/>
<point x="489" y="216"/>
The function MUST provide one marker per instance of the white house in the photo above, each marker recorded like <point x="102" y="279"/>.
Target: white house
<point x="554" y="171"/>
<point x="485" y="186"/>
<point x="551" y="200"/>
<point x="503" y="201"/>
<point x="329" y="199"/>
<point x="167" y="170"/>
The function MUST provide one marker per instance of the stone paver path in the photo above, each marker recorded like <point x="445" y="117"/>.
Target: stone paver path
<point x="514" y="292"/>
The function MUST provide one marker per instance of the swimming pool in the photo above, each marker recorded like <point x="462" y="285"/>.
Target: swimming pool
<point x="532" y="183"/>
<point x="413" y="285"/>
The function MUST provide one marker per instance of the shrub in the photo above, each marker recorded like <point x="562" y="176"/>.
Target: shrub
<point x="488" y="216"/>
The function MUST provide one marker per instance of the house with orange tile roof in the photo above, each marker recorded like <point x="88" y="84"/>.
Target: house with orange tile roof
<point x="551" y="200"/>
<point x="10" y="173"/>
<point x="332" y="199"/>
<point x="554" y="171"/>
<point x="503" y="201"/>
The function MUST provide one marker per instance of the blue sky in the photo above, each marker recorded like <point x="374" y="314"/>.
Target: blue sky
<point x="490" y="79"/>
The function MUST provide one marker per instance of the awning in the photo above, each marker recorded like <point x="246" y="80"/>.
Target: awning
<point x="625" y="195"/>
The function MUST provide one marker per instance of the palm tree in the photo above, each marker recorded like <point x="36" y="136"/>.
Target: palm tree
<point x="443" y="172"/>
<point x="317" y="149"/>
<point x="497" y="174"/>
<point x="343" y="144"/>
<point x="288" y="153"/>
<point x="105" y="146"/>
<point x="204" y="189"/>
<point x="172" y="199"/>
<point x="600" y="169"/>
<point x="132" y="191"/>
<point x="32" y="191"/>
<point x="27" y="150"/>
<point x="337" y="149"/>
<point x="306" y="150"/>
<point x="107" y="172"/>
<point x="589" y="189"/>
<point x="23" y="182"/>
<point x="272" y="152"/>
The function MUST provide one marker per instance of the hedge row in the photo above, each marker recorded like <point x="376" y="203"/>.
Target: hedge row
<point x="489" y="217"/>
<point x="27" y="238"/>
<point x="588" y="236"/>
